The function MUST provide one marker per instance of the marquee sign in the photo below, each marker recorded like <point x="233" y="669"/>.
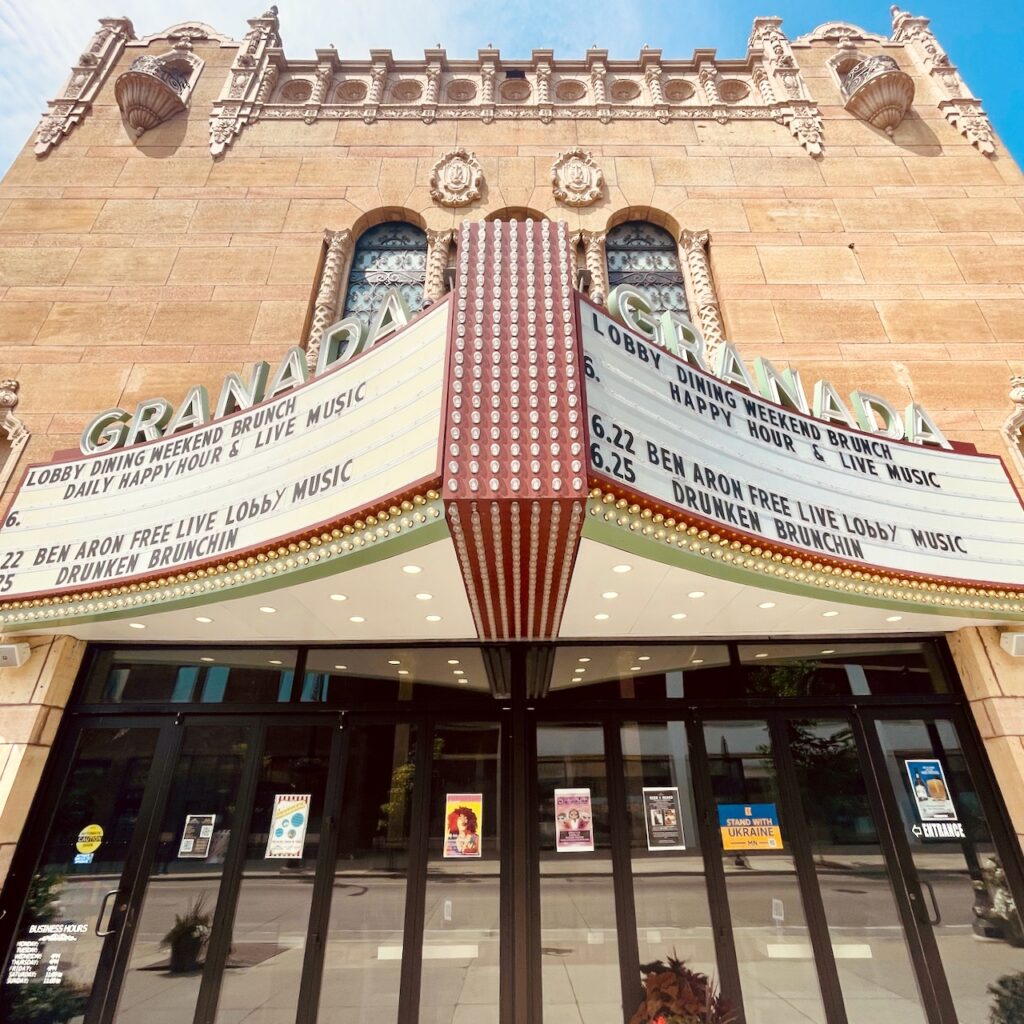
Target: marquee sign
<point x="357" y="434"/>
<point x="661" y="427"/>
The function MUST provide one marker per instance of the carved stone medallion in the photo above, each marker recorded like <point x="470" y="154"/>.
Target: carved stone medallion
<point x="576" y="179"/>
<point x="456" y="179"/>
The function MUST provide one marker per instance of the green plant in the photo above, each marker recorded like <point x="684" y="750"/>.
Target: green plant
<point x="188" y="936"/>
<point x="1008" y="1007"/>
<point x="674" y="994"/>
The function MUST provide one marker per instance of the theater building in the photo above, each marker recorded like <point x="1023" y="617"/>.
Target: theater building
<point x="476" y="528"/>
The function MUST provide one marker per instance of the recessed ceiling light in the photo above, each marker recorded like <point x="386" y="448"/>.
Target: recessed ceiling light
<point x="274" y="661"/>
<point x="580" y="668"/>
<point x="424" y="597"/>
<point x="339" y="597"/>
<point x="766" y="604"/>
<point x="622" y="568"/>
<point x="644" y="657"/>
<point x="830" y="650"/>
<point x="462" y="682"/>
<point x="394" y="661"/>
<point x="829" y="615"/>
<point x="762" y="655"/>
<point x="403" y="671"/>
<point x="634" y="668"/>
<point x="206" y="659"/>
<point x="267" y="610"/>
<point x="583" y="661"/>
<point x="341" y="668"/>
<point x="356" y="618"/>
<point x="601" y="616"/>
<point x="609" y="595"/>
<point x="458" y="672"/>
<point x="203" y="618"/>
<point x="695" y="594"/>
<point x="453" y="661"/>
<point x="679" y="615"/>
<point x="894" y="618"/>
<point x="412" y="570"/>
<point x="577" y="679"/>
<point x="433" y="618"/>
<point x="697" y="661"/>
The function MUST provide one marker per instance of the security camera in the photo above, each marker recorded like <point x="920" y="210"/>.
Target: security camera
<point x="14" y="655"/>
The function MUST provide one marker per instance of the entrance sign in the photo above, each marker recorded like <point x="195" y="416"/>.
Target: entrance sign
<point x="348" y="438"/>
<point x="749" y="827"/>
<point x="931" y="794"/>
<point x="288" y="823"/>
<point x="661" y="818"/>
<point x="574" y="821"/>
<point x="692" y="442"/>
<point x="196" y="836"/>
<point x="463" y="823"/>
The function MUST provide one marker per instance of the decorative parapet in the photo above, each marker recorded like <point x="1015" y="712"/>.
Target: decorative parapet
<point x="877" y="91"/>
<point x="780" y="78"/>
<point x="328" y="295"/>
<point x="960" y="107"/>
<point x="1013" y="428"/>
<point x="694" y="246"/>
<point x="86" y="80"/>
<point x="763" y="86"/>
<point x="15" y="430"/>
<point x="250" y="82"/>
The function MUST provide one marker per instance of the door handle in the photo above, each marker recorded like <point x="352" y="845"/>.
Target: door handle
<point x="935" y="902"/>
<point x="99" y="916"/>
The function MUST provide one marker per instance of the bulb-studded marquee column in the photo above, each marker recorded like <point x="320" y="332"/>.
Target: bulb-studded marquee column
<point x="514" y="465"/>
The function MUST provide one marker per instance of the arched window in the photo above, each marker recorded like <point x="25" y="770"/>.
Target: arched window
<point x="647" y="257"/>
<point x="388" y="255"/>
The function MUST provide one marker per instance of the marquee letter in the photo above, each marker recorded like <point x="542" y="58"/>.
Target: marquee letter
<point x="149" y="421"/>
<point x="869" y="408"/>
<point x="921" y="428"/>
<point x="104" y="432"/>
<point x="194" y="411"/>
<point x="783" y="388"/>
<point x="291" y="373"/>
<point x="630" y="305"/>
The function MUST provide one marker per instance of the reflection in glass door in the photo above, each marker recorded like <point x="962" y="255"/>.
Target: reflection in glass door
<point x="80" y="894"/>
<point x="956" y="878"/>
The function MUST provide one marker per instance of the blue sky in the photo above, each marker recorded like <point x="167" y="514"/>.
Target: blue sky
<point x="39" y="39"/>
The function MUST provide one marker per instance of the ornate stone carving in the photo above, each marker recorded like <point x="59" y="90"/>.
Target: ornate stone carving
<point x="16" y="431"/>
<point x="439" y="244"/>
<point x="154" y="89"/>
<point x="456" y="179"/>
<point x="694" y="245"/>
<point x="325" y="309"/>
<point x="594" y="260"/>
<point x="839" y="32"/>
<point x="805" y="124"/>
<point x="250" y="83"/>
<point x="960" y="107"/>
<point x="708" y="77"/>
<point x="877" y="91"/>
<point x="1013" y="428"/>
<point x="576" y="180"/>
<point x="84" y="83"/>
<point x="732" y="90"/>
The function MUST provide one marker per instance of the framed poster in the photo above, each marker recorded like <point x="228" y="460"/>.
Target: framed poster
<point x="463" y="824"/>
<point x="931" y="793"/>
<point x="574" y="821"/>
<point x="196" y="836"/>
<point x="661" y="818"/>
<point x="288" y="823"/>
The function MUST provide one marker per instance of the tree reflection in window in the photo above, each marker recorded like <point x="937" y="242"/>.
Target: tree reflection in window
<point x="388" y="255"/>
<point x="647" y="257"/>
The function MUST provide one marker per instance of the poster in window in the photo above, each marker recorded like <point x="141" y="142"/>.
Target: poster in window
<point x="288" y="823"/>
<point x="931" y="793"/>
<point x="749" y="827"/>
<point x="196" y="836"/>
<point x="661" y="817"/>
<point x="574" y="821"/>
<point x="463" y="823"/>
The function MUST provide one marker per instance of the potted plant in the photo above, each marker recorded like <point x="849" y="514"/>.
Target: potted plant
<point x="1008" y="1005"/>
<point x="676" y="995"/>
<point x="188" y="936"/>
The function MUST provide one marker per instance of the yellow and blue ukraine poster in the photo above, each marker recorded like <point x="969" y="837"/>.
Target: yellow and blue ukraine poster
<point x="749" y="827"/>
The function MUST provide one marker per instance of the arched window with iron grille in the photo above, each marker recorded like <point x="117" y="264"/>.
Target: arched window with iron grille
<point x="646" y="256"/>
<point x="387" y="256"/>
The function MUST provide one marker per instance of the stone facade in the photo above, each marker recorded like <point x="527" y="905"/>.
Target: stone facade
<point x="134" y="266"/>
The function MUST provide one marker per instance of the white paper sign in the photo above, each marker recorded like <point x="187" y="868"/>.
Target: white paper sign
<point x="694" y="443"/>
<point x="346" y="439"/>
<point x="288" y="823"/>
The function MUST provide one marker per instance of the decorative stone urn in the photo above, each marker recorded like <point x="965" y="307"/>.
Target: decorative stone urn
<point x="877" y="91"/>
<point x="150" y="92"/>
